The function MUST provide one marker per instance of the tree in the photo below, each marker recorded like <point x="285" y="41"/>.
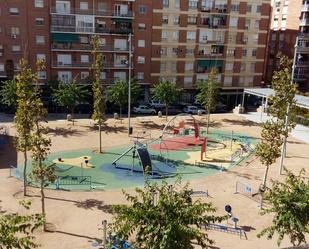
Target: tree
<point x="170" y="222"/>
<point x="166" y="92"/>
<point x="208" y="93"/>
<point x="69" y="94"/>
<point x="118" y="93"/>
<point x="25" y="112"/>
<point x="97" y="88"/>
<point x="290" y="209"/>
<point x="283" y="105"/>
<point x="16" y="231"/>
<point x="8" y="93"/>
<point x="42" y="172"/>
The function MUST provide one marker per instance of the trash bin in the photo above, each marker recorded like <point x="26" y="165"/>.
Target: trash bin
<point x="130" y="130"/>
<point x="116" y="116"/>
<point x="69" y="117"/>
<point x="199" y="113"/>
<point x="159" y="114"/>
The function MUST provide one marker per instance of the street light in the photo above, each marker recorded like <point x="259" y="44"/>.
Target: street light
<point x="129" y="92"/>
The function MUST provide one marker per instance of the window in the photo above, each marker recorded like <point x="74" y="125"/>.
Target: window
<point x="165" y="19"/>
<point x="175" y="35"/>
<point x="165" y="3"/>
<point x="254" y="52"/>
<point x="103" y="75"/>
<point x="65" y="76"/>
<point x="120" y="44"/>
<point x="244" y="52"/>
<point x="1" y="67"/>
<point x="188" y="82"/>
<point x="15" y="31"/>
<point x="193" y="4"/>
<point x="141" y="26"/>
<point x="39" y="21"/>
<point x="83" y="5"/>
<point x="41" y="57"/>
<point x="163" y="67"/>
<point x="233" y="22"/>
<point x="176" y="20"/>
<point x="243" y="67"/>
<point x="120" y="75"/>
<point x="164" y="35"/>
<point x="175" y="51"/>
<point x="42" y="75"/>
<point x="84" y="75"/>
<point x="64" y="59"/>
<point x="177" y="4"/>
<point x="252" y="67"/>
<point x="140" y="75"/>
<point x="141" y="43"/>
<point x="190" y="52"/>
<point x="16" y="48"/>
<point x="141" y="59"/>
<point x="39" y="39"/>
<point x="163" y="51"/>
<point x="230" y="52"/>
<point x="189" y="66"/>
<point x="192" y="19"/>
<point x="229" y="66"/>
<point x="14" y="11"/>
<point x="257" y="24"/>
<point x="191" y="35"/>
<point x="247" y="24"/>
<point x="84" y="58"/>
<point x="142" y="10"/>
<point x="258" y="9"/>
<point x="84" y="39"/>
<point x="39" y="3"/>
<point x="102" y="7"/>
<point x="228" y="80"/>
<point x="255" y="38"/>
<point x="249" y="8"/>
<point x="235" y="7"/>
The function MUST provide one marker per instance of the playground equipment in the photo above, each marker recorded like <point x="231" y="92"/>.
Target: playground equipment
<point x="64" y="181"/>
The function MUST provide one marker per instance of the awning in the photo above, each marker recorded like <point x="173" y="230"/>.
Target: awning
<point x="58" y="37"/>
<point x="122" y="20"/>
<point x="209" y="63"/>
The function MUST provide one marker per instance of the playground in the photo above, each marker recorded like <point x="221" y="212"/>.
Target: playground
<point x="76" y="216"/>
<point x="182" y="148"/>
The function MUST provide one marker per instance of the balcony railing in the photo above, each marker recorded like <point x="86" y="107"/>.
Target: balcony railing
<point x="86" y="47"/>
<point x="216" y="9"/>
<point x="88" y="65"/>
<point x="73" y="29"/>
<point x="304" y="22"/>
<point x="74" y="11"/>
<point x="305" y="8"/>
<point x="2" y="74"/>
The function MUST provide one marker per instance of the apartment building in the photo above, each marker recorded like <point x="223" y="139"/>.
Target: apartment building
<point x="289" y="24"/>
<point x="178" y="40"/>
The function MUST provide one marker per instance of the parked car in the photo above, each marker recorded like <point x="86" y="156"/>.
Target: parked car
<point x="143" y="109"/>
<point x="191" y="109"/>
<point x="172" y="110"/>
<point x="156" y="104"/>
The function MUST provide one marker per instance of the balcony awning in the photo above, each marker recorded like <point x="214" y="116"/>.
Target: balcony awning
<point x="122" y="20"/>
<point x="210" y="63"/>
<point x="58" y="37"/>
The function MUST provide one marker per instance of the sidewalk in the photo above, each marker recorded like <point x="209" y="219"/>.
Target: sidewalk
<point x="300" y="132"/>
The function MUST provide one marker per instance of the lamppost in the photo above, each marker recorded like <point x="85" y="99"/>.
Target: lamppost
<point x="129" y="91"/>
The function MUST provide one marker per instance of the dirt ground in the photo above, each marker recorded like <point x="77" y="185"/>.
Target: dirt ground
<point x="76" y="216"/>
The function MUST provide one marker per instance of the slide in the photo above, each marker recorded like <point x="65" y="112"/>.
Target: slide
<point x="145" y="159"/>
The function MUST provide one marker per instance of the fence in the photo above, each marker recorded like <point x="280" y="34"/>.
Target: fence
<point x="248" y="191"/>
<point x="226" y="229"/>
<point x="73" y="180"/>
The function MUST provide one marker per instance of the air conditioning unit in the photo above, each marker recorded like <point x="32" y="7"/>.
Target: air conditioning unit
<point x="13" y="36"/>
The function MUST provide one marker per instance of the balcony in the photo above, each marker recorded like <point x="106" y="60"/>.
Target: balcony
<point x="2" y="74"/>
<point x="88" y="65"/>
<point x="86" y="47"/>
<point x="73" y="29"/>
<point x="221" y="8"/>
<point x="77" y="11"/>
<point x="305" y="7"/>
<point x="304" y="22"/>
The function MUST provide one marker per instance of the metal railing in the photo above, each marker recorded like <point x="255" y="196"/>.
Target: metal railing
<point x="74" y="11"/>
<point x="74" y="29"/>
<point x="87" y="47"/>
<point x="88" y="65"/>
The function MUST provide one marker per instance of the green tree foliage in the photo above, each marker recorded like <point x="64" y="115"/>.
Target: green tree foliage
<point x="69" y="94"/>
<point x="209" y="92"/>
<point x="170" y="222"/>
<point x="25" y="112"/>
<point x="97" y="88"/>
<point x="290" y="209"/>
<point x="8" y="93"/>
<point x="166" y="92"/>
<point x="16" y="231"/>
<point x="42" y="172"/>
<point x="118" y="93"/>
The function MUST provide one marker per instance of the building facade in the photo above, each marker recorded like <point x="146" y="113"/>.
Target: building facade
<point x="289" y="24"/>
<point x="177" y="40"/>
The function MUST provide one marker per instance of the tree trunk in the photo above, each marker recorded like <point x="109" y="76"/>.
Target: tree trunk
<point x="120" y="112"/>
<point x="208" y="119"/>
<point x="43" y="200"/>
<point x="100" y="137"/>
<point x="264" y="186"/>
<point x="166" y="111"/>
<point x="72" y="116"/>
<point x="25" y="170"/>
